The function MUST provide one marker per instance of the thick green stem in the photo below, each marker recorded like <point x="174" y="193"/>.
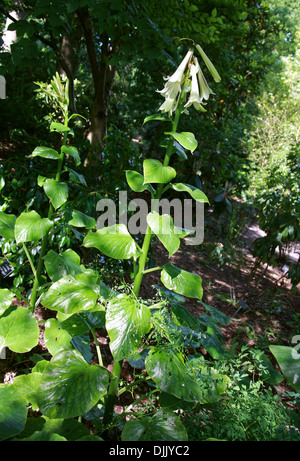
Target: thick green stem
<point x="148" y="236"/>
<point x="39" y="268"/>
<point x="112" y="393"/>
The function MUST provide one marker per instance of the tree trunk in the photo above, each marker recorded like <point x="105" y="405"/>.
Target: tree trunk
<point x="103" y="78"/>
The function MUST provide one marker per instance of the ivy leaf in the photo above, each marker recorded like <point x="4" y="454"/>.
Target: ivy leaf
<point x="181" y="281"/>
<point x="30" y="226"/>
<point x="70" y="386"/>
<point x="127" y="321"/>
<point x="114" y="241"/>
<point x="155" y="172"/>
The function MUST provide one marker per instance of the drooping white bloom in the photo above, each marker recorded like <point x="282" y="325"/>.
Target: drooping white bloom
<point x="195" y="98"/>
<point x="205" y="90"/>
<point x="172" y="88"/>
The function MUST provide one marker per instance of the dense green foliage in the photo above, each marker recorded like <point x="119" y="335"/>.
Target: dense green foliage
<point x="114" y="56"/>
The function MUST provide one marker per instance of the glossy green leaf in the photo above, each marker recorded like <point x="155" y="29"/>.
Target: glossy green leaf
<point x="6" y="297"/>
<point x="73" y="152"/>
<point x="127" y="321"/>
<point x="135" y="181"/>
<point x="30" y="226"/>
<point x="70" y="386"/>
<point x="289" y="361"/>
<point x="186" y="140"/>
<point x="7" y="225"/>
<point x="80" y="219"/>
<point x="59" y="265"/>
<point x="75" y="177"/>
<point x="45" y="152"/>
<point x="184" y="379"/>
<point x="27" y="385"/>
<point x="13" y="412"/>
<point x="73" y="294"/>
<point x="155" y="172"/>
<point x="43" y="436"/>
<point x="156" y="117"/>
<point x="56" y="191"/>
<point x="57" y="339"/>
<point x="162" y="426"/>
<point x="194" y="192"/>
<point x="55" y="126"/>
<point x="70" y="429"/>
<point x="19" y="329"/>
<point x="169" y="372"/>
<point x="181" y="281"/>
<point x="162" y="226"/>
<point x="114" y="241"/>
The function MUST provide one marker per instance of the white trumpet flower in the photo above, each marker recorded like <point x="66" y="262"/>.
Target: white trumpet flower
<point x="205" y="90"/>
<point x="172" y="88"/>
<point x="195" y="98"/>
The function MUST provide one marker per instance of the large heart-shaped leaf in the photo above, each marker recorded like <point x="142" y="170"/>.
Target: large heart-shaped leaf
<point x="162" y="226"/>
<point x="13" y="412"/>
<point x="73" y="293"/>
<point x="162" y="426"/>
<point x="70" y="386"/>
<point x="168" y="370"/>
<point x="60" y="265"/>
<point x="181" y="281"/>
<point x="185" y="380"/>
<point x="6" y="297"/>
<point x="114" y="241"/>
<point x="45" y="152"/>
<point x="80" y="219"/>
<point x="18" y="329"/>
<point x="155" y="172"/>
<point x="7" y="225"/>
<point x="27" y="386"/>
<point x="56" y="191"/>
<point x="127" y="321"/>
<point x="289" y="362"/>
<point x="31" y="227"/>
<point x="194" y="192"/>
<point x="70" y="429"/>
<point x="186" y="140"/>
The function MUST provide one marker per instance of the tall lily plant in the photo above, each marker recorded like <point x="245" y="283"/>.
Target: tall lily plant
<point x="69" y="385"/>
